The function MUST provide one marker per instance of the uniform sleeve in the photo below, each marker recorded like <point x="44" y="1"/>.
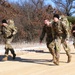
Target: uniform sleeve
<point x="65" y="32"/>
<point x="1" y="31"/>
<point x="64" y="26"/>
<point x="43" y="33"/>
<point x="14" y="30"/>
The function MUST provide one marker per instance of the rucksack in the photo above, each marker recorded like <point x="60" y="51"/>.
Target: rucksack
<point x="65" y="21"/>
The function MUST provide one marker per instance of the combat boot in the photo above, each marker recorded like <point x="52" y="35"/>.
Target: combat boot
<point x="57" y="56"/>
<point x="13" y="53"/>
<point x="69" y="56"/>
<point x="55" y="61"/>
<point x="54" y="57"/>
<point x="69" y="59"/>
<point x="5" y="58"/>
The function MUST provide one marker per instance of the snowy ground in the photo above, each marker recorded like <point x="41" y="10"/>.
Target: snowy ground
<point x="27" y="46"/>
<point x="23" y="46"/>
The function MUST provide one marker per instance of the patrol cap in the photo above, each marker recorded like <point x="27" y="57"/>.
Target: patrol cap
<point x="56" y="15"/>
<point x="4" y="21"/>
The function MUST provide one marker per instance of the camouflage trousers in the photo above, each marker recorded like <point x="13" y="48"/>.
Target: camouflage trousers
<point x="57" y="46"/>
<point x="51" y="46"/>
<point x="65" y="45"/>
<point x="8" y="48"/>
<point x="58" y="42"/>
<point x="62" y="41"/>
<point x="8" y="43"/>
<point x="54" y="46"/>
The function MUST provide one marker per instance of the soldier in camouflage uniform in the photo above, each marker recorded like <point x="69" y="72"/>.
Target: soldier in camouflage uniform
<point x="60" y="33"/>
<point x="67" y="26"/>
<point x="49" y="39"/>
<point x="8" y="30"/>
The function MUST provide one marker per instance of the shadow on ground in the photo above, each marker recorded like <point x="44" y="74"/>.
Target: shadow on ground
<point x="36" y="61"/>
<point x="42" y="51"/>
<point x="37" y="51"/>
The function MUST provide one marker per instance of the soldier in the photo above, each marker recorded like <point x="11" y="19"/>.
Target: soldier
<point x="8" y="30"/>
<point x="67" y="26"/>
<point x="61" y="33"/>
<point x="49" y="39"/>
<point x="56" y="30"/>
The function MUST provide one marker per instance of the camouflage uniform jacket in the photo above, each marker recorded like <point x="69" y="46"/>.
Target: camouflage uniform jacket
<point x="48" y="31"/>
<point x="59" y="29"/>
<point x="8" y="31"/>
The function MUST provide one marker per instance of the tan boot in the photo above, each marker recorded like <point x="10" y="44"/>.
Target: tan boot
<point x="69" y="56"/>
<point x="69" y="59"/>
<point x="5" y="58"/>
<point x="57" y="57"/>
<point x="54" y="57"/>
<point x="55" y="61"/>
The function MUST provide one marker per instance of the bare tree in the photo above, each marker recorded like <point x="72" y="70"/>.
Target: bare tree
<point x="38" y="3"/>
<point x="66" y="6"/>
<point x="28" y="15"/>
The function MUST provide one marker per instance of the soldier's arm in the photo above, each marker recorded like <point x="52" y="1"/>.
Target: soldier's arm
<point x="42" y="34"/>
<point x="1" y="31"/>
<point x="64" y="27"/>
<point x="65" y="32"/>
<point x="14" y="29"/>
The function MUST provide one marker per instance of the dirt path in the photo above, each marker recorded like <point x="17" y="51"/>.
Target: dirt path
<point x="38" y="62"/>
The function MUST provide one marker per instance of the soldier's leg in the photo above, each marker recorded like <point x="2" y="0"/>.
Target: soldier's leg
<point x="57" y="48"/>
<point x="57" y="55"/>
<point x="6" y="52"/>
<point x="10" y="48"/>
<point x="52" y="51"/>
<point x="13" y="53"/>
<point x="67" y="50"/>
